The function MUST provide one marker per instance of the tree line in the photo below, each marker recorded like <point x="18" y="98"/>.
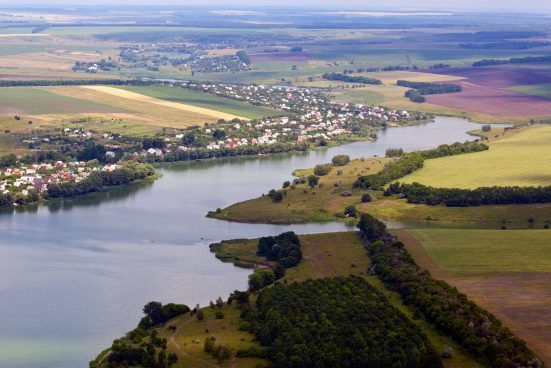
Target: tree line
<point x="450" y="311"/>
<point x="337" y="322"/>
<point x="411" y="162"/>
<point x="204" y="153"/>
<point x="455" y="197"/>
<point x="350" y="78"/>
<point x="521" y="60"/>
<point x="420" y="89"/>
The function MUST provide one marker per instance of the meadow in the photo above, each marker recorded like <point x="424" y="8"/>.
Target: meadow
<point x="507" y="272"/>
<point x="517" y="159"/>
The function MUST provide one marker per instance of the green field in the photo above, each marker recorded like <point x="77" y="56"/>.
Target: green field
<point x="542" y="90"/>
<point x="462" y="251"/>
<point x="31" y="101"/>
<point x="506" y="271"/>
<point x="521" y="159"/>
<point x="201" y="99"/>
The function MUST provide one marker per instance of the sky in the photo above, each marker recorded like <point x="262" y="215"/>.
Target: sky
<point x="470" y="5"/>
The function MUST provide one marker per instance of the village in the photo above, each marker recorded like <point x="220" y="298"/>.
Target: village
<point x="27" y="183"/>
<point x="311" y="118"/>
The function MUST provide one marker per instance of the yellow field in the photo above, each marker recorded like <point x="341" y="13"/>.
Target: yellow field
<point x="521" y="159"/>
<point x="151" y="100"/>
<point x="141" y="109"/>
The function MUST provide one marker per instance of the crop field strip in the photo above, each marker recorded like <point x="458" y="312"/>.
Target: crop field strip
<point x="203" y="100"/>
<point x="507" y="272"/>
<point x="142" y="109"/>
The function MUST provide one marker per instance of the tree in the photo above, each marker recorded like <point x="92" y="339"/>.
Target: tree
<point x="154" y="310"/>
<point x="313" y="180"/>
<point x="200" y="314"/>
<point x="340" y="160"/>
<point x="219" y="302"/>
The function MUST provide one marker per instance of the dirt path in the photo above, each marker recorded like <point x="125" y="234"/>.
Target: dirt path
<point x="172" y="340"/>
<point x="213" y="332"/>
<point x="319" y="262"/>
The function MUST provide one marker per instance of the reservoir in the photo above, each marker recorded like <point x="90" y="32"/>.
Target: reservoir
<point x="75" y="274"/>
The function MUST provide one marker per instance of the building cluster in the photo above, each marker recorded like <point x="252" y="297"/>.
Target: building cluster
<point x="37" y="177"/>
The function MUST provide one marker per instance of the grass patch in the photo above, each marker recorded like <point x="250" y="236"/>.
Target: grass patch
<point x="188" y="339"/>
<point x="522" y="159"/>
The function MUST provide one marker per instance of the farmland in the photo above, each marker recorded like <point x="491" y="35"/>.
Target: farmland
<point x="519" y="159"/>
<point x="203" y="100"/>
<point x="541" y="90"/>
<point x="507" y="272"/>
<point x="35" y="101"/>
<point x="490" y="90"/>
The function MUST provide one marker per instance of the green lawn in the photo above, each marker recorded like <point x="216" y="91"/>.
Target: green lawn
<point x="542" y="90"/>
<point x="196" y="98"/>
<point x="463" y="252"/>
<point x="522" y="159"/>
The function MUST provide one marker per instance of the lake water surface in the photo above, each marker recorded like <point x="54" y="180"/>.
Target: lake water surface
<point x="75" y="274"/>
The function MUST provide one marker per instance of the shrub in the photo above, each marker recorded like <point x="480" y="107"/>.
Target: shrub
<point x="366" y="197"/>
<point x="321" y="170"/>
<point x="351" y="211"/>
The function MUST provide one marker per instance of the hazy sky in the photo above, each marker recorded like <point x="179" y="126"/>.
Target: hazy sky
<point x="491" y="5"/>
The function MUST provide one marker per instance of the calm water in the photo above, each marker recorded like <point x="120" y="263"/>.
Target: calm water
<point x="75" y="274"/>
